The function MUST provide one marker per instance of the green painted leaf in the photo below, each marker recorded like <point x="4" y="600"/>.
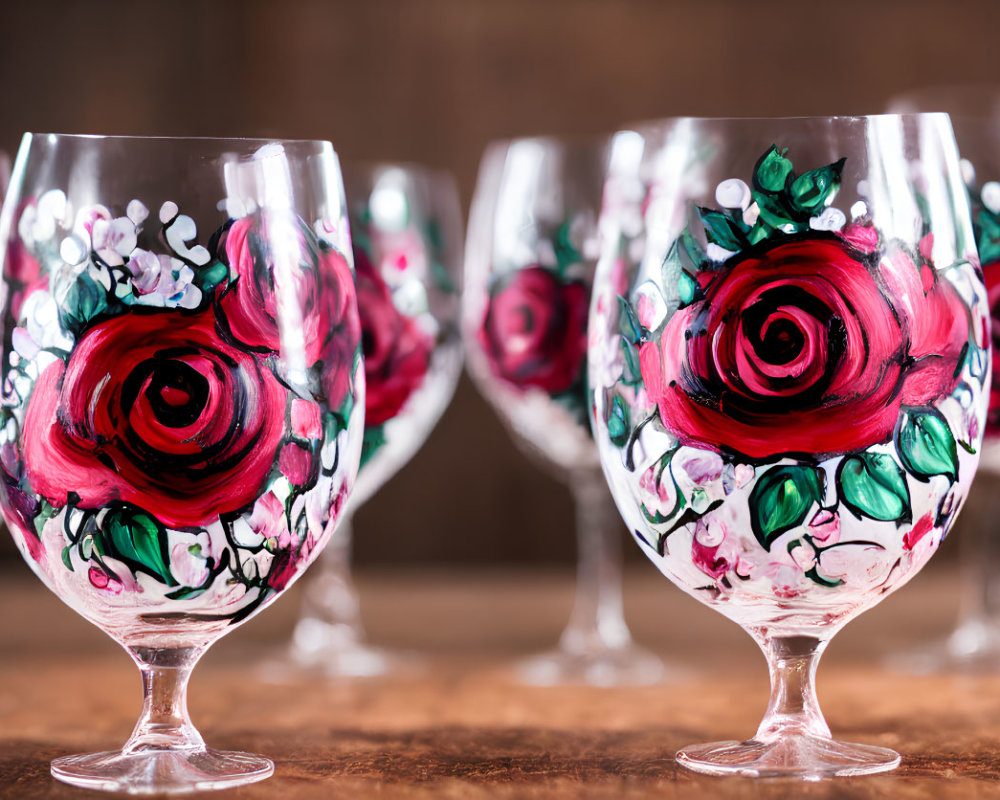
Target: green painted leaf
<point x="872" y="485"/>
<point x="207" y="278"/>
<point x="811" y="191"/>
<point x="632" y="371"/>
<point x="619" y="422"/>
<point x="373" y="439"/>
<point x="926" y="444"/>
<point x="442" y="280"/>
<point x="687" y="289"/>
<point x="772" y="170"/>
<point x="988" y="236"/>
<point x="84" y="300"/>
<point x="815" y="577"/>
<point x="566" y="253"/>
<point x="775" y="212"/>
<point x="628" y="322"/>
<point x="138" y="539"/>
<point x="781" y="499"/>
<point x="720" y="229"/>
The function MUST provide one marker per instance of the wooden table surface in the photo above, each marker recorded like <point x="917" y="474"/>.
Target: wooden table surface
<point x="464" y="729"/>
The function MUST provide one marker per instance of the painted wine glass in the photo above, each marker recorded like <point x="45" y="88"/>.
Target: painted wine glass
<point x="974" y="644"/>
<point x="789" y="367"/>
<point x="406" y="229"/>
<point x="182" y="403"/>
<point x="530" y="259"/>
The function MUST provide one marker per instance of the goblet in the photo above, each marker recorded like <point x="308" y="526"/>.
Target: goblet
<point x="789" y="367"/>
<point x="530" y="260"/>
<point x="974" y="644"/>
<point x="406" y="232"/>
<point x="182" y="403"/>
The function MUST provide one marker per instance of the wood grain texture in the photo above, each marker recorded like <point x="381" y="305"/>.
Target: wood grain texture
<point x="464" y="729"/>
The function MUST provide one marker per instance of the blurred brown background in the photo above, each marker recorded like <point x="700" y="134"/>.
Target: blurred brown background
<point x="433" y="81"/>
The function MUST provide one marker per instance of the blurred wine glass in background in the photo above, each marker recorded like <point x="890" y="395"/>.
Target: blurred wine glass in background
<point x="530" y="256"/>
<point x="974" y="644"/>
<point x="407" y="239"/>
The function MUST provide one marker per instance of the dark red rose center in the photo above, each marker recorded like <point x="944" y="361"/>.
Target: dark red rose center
<point x="792" y="344"/>
<point x="175" y="392"/>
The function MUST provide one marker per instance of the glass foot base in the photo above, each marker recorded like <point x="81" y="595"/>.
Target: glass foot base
<point x="973" y="647"/>
<point x="619" y="666"/>
<point x="162" y="771"/>
<point x="804" y="757"/>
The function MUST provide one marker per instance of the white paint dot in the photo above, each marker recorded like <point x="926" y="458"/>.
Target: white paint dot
<point x="732" y="193"/>
<point x="168" y="211"/>
<point x="991" y="196"/>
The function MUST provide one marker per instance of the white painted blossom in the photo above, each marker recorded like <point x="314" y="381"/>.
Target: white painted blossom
<point x="859" y="210"/>
<point x="732" y="193"/>
<point x="113" y="240"/>
<point x="137" y="212"/>
<point x="832" y="219"/>
<point x="181" y="231"/>
<point x="991" y="196"/>
<point x="41" y="321"/>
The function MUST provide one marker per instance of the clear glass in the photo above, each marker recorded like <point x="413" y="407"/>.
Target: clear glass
<point x="789" y="368"/>
<point x="530" y="259"/>
<point x="406" y="226"/>
<point x="974" y="644"/>
<point x="181" y="405"/>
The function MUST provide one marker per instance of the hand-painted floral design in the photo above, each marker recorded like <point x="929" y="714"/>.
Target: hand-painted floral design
<point x="794" y="401"/>
<point x="397" y="348"/>
<point x="986" y="216"/>
<point x="170" y="418"/>
<point x="800" y="349"/>
<point x="403" y="294"/>
<point x="534" y="332"/>
<point x="173" y="424"/>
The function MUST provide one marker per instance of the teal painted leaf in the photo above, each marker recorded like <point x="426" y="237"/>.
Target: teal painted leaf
<point x="373" y="439"/>
<point x="988" y="236"/>
<point x="815" y="577"/>
<point x="628" y="322"/>
<point x="207" y="278"/>
<point x="138" y="539"/>
<point x="781" y="499"/>
<point x="772" y="170"/>
<point x="872" y="485"/>
<point x="619" y="423"/>
<point x="811" y="191"/>
<point x="687" y="289"/>
<point x="632" y="371"/>
<point x="926" y="444"/>
<point x="85" y="300"/>
<point x="722" y="230"/>
<point x="566" y="253"/>
<point x="775" y="213"/>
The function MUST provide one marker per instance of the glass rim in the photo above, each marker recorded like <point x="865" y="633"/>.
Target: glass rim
<point x="597" y="139"/>
<point x="253" y="140"/>
<point x="841" y="118"/>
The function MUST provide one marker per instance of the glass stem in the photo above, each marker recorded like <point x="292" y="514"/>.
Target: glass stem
<point x="164" y="723"/>
<point x="793" y="709"/>
<point x="598" y="619"/>
<point x="329" y="599"/>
